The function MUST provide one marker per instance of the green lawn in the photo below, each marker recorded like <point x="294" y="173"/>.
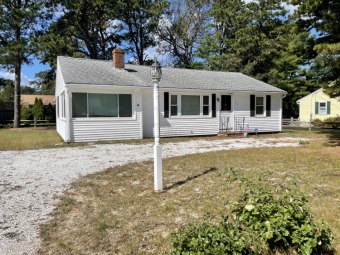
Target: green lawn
<point x="29" y="138"/>
<point x="117" y="212"/>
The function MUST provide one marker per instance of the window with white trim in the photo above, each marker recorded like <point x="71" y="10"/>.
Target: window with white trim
<point x="174" y="105"/>
<point x="190" y="105"/>
<point x="206" y="105"/>
<point x="86" y="105"/>
<point x="323" y="108"/>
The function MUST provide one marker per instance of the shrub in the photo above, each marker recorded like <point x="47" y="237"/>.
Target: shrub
<point x="265" y="218"/>
<point x="317" y="123"/>
<point x="38" y="109"/>
<point x="49" y="111"/>
<point x="26" y="113"/>
<point x="331" y="122"/>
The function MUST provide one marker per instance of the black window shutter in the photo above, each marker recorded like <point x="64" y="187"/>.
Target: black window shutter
<point x="213" y="105"/>
<point x="252" y="105"/>
<point x="268" y="105"/>
<point x="166" y="104"/>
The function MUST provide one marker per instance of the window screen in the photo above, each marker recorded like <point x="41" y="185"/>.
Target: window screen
<point x="79" y="105"/>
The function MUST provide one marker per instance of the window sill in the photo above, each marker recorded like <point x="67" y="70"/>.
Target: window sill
<point x="191" y="117"/>
<point x="104" y="119"/>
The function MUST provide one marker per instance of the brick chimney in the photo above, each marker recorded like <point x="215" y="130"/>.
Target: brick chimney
<point x="118" y="58"/>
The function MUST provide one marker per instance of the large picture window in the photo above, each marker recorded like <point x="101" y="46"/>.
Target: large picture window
<point x="101" y="105"/>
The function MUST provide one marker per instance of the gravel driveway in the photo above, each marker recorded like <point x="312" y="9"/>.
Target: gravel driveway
<point x="31" y="179"/>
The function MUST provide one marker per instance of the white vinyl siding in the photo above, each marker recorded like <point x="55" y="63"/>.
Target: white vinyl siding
<point x="262" y="124"/>
<point x="109" y="128"/>
<point x="86" y="130"/>
<point x="59" y="94"/>
<point x="177" y="125"/>
<point x="148" y="121"/>
<point x="188" y="125"/>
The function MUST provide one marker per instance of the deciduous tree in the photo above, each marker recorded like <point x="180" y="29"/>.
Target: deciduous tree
<point x="181" y="28"/>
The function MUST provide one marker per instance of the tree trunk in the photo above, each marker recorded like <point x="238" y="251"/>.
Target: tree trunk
<point x="17" y="73"/>
<point x="17" y="93"/>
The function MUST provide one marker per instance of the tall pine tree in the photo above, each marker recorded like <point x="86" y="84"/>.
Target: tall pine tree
<point x="140" y="18"/>
<point x="321" y="17"/>
<point x="19" y="22"/>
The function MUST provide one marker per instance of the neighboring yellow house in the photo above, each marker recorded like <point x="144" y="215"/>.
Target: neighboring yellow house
<point x="319" y="105"/>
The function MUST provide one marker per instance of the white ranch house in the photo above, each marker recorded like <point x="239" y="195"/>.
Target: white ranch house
<point x="100" y="100"/>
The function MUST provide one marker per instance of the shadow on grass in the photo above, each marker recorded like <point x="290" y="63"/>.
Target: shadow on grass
<point x="333" y="136"/>
<point x="190" y="178"/>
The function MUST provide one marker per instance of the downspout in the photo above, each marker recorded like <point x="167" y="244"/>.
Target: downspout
<point x="283" y="96"/>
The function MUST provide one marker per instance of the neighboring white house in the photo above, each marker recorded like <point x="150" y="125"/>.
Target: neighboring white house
<point x="101" y="100"/>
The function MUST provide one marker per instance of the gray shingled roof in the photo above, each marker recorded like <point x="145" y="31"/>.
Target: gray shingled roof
<point x="99" y="72"/>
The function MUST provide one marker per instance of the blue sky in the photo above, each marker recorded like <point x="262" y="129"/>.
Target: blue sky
<point x="27" y="72"/>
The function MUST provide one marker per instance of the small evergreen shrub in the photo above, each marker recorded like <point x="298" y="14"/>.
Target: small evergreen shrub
<point x="26" y="113"/>
<point x="38" y="109"/>
<point x="317" y="123"/>
<point x="264" y="219"/>
<point x="331" y="122"/>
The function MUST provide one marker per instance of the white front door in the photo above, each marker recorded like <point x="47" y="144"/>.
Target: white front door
<point x="226" y="114"/>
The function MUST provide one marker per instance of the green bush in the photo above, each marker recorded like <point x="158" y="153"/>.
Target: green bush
<point x="317" y="123"/>
<point x="38" y="109"/>
<point x="49" y="111"/>
<point x="264" y="219"/>
<point x="26" y="113"/>
<point x="331" y="122"/>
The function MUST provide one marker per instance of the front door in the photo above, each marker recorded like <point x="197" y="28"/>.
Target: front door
<point x="226" y="114"/>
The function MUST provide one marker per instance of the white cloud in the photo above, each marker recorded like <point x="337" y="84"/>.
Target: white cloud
<point x="290" y="8"/>
<point x="10" y="76"/>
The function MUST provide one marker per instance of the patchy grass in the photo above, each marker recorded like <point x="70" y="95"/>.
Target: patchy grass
<point x="117" y="212"/>
<point x="28" y="138"/>
<point x="47" y="137"/>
